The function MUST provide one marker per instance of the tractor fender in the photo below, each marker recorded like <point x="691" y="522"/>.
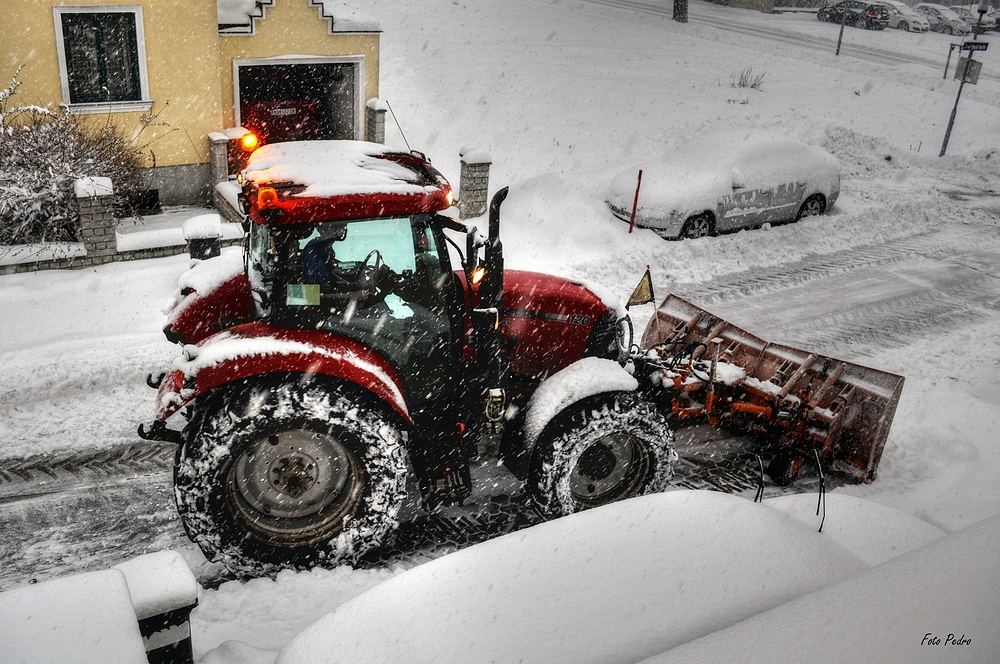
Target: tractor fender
<point x="257" y="349"/>
<point x="581" y="379"/>
<point x="212" y="295"/>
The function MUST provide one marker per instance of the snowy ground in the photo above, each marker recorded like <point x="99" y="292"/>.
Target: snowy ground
<point x="902" y="276"/>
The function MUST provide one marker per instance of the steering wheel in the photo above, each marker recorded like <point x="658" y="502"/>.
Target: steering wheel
<point x="368" y="274"/>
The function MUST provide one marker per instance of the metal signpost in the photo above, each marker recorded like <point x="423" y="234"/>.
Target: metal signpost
<point x="972" y="47"/>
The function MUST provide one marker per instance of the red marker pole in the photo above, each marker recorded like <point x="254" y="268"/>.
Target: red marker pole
<point x="635" y="203"/>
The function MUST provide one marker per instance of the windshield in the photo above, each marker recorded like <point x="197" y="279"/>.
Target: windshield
<point x="381" y="281"/>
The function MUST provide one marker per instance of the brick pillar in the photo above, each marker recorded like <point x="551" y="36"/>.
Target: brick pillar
<point x="96" y="199"/>
<point x="375" y="120"/>
<point x="218" y="154"/>
<point x="474" y="183"/>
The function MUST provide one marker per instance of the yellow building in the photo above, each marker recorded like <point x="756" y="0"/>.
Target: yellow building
<point x="289" y="69"/>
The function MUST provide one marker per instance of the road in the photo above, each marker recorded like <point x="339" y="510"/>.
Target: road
<point x="92" y="508"/>
<point x="703" y="13"/>
<point x="79" y="510"/>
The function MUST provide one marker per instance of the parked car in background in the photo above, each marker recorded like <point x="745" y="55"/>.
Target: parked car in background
<point x="942" y="19"/>
<point x="902" y="17"/>
<point x="859" y="14"/>
<point x="971" y="19"/>
<point x="727" y="181"/>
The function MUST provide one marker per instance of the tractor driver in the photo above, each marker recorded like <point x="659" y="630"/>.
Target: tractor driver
<point x="321" y="266"/>
<point x="420" y="286"/>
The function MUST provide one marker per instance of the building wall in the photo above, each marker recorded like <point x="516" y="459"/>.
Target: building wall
<point x="181" y="41"/>
<point x="292" y="27"/>
<point x="190" y="73"/>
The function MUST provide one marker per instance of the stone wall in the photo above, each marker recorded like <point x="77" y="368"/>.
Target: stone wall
<point x="97" y="228"/>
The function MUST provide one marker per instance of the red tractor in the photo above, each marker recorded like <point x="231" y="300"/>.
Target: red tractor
<point x="346" y="344"/>
<point x="343" y="351"/>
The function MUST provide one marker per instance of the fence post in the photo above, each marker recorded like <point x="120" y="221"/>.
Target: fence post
<point x="218" y="153"/>
<point x="95" y="196"/>
<point x="375" y="120"/>
<point x="474" y="182"/>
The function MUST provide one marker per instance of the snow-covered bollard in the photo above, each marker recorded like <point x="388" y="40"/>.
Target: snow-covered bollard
<point x="203" y="235"/>
<point x="84" y="618"/>
<point x="474" y="183"/>
<point x="164" y="592"/>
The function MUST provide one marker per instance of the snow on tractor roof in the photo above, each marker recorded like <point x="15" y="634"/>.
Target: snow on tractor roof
<point x="325" y="180"/>
<point x="337" y="168"/>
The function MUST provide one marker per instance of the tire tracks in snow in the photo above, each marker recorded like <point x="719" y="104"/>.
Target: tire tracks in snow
<point x="860" y="301"/>
<point x="32" y="476"/>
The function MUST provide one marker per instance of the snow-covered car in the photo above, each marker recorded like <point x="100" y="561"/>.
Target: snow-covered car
<point x="902" y="17"/>
<point x="971" y="19"/>
<point x="942" y="19"/>
<point x="725" y="182"/>
<point x="855" y="13"/>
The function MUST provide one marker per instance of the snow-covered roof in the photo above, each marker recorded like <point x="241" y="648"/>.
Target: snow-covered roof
<point x="239" y="17"/>
<point x="333" y="168"/>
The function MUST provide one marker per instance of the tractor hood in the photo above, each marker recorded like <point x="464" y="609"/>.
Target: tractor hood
<point x="550" y="322"/>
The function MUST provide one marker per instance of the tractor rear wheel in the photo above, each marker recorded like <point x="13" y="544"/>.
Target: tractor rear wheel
<point x="285" y="474"/>
<point x="602" y="449"/>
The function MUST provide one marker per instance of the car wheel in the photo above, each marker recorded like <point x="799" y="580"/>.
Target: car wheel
<point x="813" y="206"/>
<point x="947" y="30"/>
<point x="281" y="474"/>
<point x="699" y="225"/>
<point x="602" y="449"/>
<point x="903" y="25"/>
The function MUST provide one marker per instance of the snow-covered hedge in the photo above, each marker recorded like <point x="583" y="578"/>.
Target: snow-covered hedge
<point x="42" y="152"/>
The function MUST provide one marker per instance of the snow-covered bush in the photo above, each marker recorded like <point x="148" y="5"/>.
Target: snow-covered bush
<point x="42" y="152"/>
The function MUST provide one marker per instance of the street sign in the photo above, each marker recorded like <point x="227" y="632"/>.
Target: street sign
<point x="971" y="74"/>
<point x="975" y="46"/>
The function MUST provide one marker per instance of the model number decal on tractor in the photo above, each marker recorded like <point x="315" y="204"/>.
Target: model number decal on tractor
<point x="574" y="319"/>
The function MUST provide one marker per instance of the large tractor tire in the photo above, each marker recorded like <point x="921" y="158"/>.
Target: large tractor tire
<point x="289" y="474"/>
<point x="602" y="449"/>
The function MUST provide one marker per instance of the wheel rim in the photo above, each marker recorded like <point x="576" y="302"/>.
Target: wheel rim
<point x="698" y="227"/>
<point x="812" y="207"/>
<point x="295" y="487"/>
<point x="903" y="25"/>
<point x="613" y="467"/>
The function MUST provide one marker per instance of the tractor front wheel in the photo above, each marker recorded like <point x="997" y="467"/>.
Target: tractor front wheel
<point x="286" y="474"/>
<point x="602" y="449"/>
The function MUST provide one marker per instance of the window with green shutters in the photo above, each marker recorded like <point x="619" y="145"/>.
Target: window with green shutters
<point x="102" y="57"/>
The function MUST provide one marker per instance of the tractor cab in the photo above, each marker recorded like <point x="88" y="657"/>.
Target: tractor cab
<point x="384" y="282"/>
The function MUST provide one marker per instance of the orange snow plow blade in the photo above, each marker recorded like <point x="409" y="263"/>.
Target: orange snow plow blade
<point x="801" y="403"/>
